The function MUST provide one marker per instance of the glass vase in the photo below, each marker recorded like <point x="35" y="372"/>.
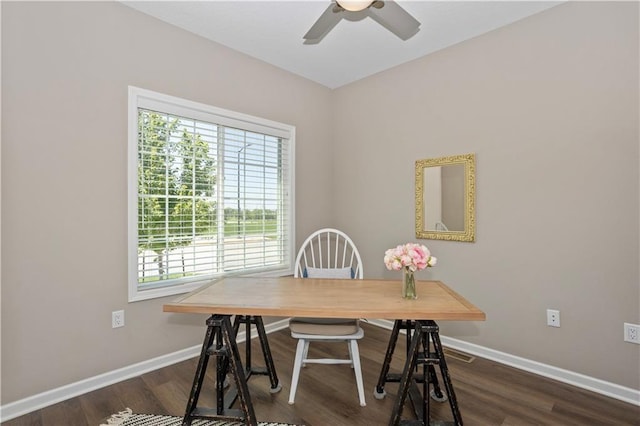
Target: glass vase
<point x="408" y="284"/>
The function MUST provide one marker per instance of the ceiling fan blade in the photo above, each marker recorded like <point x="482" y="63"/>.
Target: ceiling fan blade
<point x="329" y="18"/>
<point x="394" y="18"/>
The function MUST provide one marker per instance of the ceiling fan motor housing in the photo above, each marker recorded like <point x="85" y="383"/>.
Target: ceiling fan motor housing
<point x="354" y="5"/>
<point x="388" y="14"/>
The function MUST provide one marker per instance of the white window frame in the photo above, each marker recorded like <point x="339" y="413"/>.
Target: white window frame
<point x="142" y="98"/>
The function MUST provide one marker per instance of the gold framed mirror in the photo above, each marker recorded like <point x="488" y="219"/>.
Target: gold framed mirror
<point x="445" y="198"/>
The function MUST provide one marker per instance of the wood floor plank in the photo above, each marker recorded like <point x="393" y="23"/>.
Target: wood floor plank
<point x="68" y="412"/>
<point x="489" y="394"/>
<point x="99" y="404"/>
<point x="136" y="392"/>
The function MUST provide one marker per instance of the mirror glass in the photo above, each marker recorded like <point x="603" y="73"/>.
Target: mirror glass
<point x="445" y="194"/>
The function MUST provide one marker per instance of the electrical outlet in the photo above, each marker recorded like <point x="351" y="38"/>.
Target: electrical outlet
<point x="632" y="333"/>
<point x="117" y="319"/>
<point x="553" y="318"/>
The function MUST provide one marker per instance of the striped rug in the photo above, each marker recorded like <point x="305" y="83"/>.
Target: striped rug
<point x="128" y="418"/>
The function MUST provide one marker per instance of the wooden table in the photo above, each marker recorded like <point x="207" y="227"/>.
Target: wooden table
<point x="253" y="297"/>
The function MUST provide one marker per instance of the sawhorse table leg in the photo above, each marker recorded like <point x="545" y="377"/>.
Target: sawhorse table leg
<point x="425" y="333"/>
<point x="220" y="341"/>
<point x="269" y="369"/>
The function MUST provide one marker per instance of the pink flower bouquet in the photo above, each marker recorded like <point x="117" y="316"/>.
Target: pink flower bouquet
<point x="413" y="256"/>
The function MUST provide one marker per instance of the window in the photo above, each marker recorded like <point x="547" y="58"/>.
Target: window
<point x="210" y="194"/>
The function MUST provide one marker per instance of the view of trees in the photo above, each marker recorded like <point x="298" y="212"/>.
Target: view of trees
<point x="176" y="185"/>
<point x="177" y="177"/>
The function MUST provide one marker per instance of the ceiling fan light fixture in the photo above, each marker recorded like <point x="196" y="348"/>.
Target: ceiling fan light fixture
<point x="387" y="13"/>
<point x="354" y="5"/>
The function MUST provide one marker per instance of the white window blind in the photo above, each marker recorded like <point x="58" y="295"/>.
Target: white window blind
<point x="210" y="195"/>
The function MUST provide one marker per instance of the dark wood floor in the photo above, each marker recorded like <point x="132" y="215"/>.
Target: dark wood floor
<point x="488" y="393"/>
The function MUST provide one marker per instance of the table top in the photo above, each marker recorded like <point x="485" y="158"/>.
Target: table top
<point x="326" y="298"/>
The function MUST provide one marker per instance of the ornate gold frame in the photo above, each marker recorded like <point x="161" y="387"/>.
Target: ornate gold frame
<point x="469" y="233"/>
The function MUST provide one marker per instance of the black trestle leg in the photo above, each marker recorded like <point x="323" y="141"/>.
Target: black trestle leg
<point x="221" y="371"/>
<point x="419" y="353"/>
<point x="268" y="359"/>
<point x="220" y="341"/>
<point x="444" y="371"/>
<point x="379" y="391"/>
<point x="237" y="372"/>
<point x="425" y="380"/>
<point x="200" y="372"/>
<point x="406" y="380"/>
<point x="269" y="369"/>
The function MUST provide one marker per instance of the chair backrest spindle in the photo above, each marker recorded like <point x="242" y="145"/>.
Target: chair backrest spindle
<point x="328" y="249"/>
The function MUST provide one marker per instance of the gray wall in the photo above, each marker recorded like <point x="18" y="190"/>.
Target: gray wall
<point x="65" y="72"/>
<point x="548" y="104"/>
<point x="550" y="107"/>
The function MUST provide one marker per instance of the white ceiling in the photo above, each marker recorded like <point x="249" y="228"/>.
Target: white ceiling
<point x="272" y="31"/>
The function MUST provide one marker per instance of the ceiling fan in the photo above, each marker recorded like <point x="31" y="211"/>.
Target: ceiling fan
<point x="387" y="13"/>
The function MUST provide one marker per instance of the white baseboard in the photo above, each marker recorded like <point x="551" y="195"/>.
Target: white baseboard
<point x="602" y="387"/>
<point x="44" y="399"/>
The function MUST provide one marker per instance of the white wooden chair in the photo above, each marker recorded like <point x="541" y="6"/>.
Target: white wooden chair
<point x="327" y="253"/>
